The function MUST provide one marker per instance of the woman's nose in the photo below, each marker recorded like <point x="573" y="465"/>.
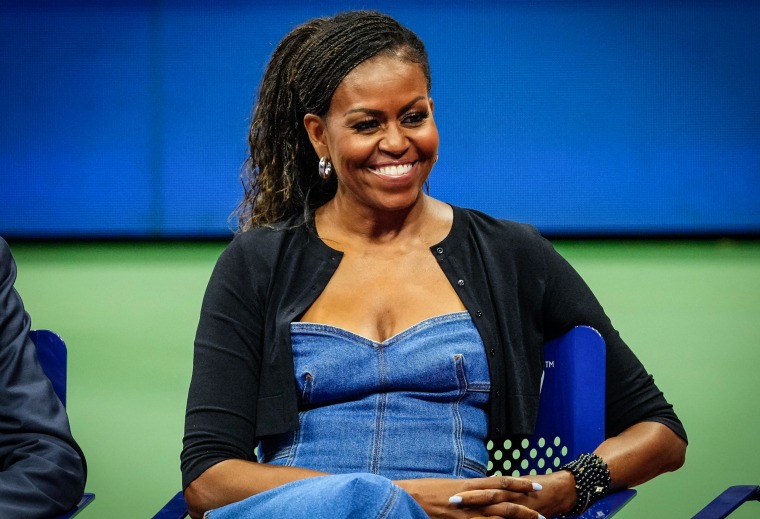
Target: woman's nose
<point x="394" y="141"/>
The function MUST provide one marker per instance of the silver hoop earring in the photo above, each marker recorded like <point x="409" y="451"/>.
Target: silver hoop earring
<point x="325" y="168"/>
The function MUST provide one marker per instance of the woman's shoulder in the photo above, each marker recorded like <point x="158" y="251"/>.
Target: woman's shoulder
<point x="480" y="223"/>
<point x="263" y="245"/>
<point x="499" y="239"/>
<point x="289" y="229"/>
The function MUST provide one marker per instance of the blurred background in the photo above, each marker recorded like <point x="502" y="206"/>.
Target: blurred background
<point x="628" y="132"/>
<point x="129" y="118"/>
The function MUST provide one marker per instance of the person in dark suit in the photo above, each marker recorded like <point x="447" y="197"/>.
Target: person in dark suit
<point x="42" y="469"/>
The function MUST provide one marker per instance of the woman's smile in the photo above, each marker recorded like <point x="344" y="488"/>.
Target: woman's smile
<point x="393" y="170"/>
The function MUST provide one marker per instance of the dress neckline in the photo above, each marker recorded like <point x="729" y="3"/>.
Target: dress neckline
<point x="297" y="327"/>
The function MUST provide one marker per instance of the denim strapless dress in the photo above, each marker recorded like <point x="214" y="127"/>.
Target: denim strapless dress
<point x="409" y="407"/>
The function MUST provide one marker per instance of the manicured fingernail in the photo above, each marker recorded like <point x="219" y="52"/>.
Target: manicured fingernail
<point x="455" y="500"/>
<point x="541" y="516"/>
<point x="536" y="486"/>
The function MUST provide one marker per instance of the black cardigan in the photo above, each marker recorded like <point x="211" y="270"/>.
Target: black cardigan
<point x="519" y="291"/>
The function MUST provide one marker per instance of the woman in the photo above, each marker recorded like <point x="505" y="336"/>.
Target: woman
<point x="360" y="328"/>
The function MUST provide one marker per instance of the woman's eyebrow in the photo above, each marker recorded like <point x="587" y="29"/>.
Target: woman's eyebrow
<point x="376" y="113"/>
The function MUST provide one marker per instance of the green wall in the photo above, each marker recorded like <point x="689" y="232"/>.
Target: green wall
<point x="690" y="310"/>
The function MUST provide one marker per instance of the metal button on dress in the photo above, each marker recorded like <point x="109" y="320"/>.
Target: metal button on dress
<point x="493" y="352"/>
<point x="460" y="282"/>
<point x="478" y="314"/>
<point x="439" y="250"/>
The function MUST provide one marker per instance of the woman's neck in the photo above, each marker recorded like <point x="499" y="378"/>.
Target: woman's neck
<point x="339" y="223"/>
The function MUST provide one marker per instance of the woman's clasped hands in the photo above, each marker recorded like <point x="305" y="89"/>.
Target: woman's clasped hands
<point x="497" y="497"/>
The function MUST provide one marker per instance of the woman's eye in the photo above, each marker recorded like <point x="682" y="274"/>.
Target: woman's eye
<point x="365" y="126"/>
<point x="415" y="118"/>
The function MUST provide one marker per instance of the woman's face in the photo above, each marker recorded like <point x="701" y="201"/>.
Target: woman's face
<point x="379" y="134"/>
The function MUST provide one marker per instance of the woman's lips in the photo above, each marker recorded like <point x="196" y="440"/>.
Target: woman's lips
<point x="393" y="170"/>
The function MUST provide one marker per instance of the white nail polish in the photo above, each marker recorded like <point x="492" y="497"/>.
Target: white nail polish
<point x="455" y="500"/>
<point x="537" y="486"/>
<point x="541" y="516"/>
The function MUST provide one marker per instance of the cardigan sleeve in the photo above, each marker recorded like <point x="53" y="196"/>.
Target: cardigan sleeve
<point x="631" y="393"/>
<point x="42" y="469"/>
<point x="222" y="399"/>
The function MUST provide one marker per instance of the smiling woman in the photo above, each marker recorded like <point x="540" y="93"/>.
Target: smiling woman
<point x="362" y="331"/>
<point x="380" y="136"/>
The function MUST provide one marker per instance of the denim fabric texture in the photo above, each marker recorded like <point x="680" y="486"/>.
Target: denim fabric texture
<point x="343" y="496"/>
<point x="412" y="406"/>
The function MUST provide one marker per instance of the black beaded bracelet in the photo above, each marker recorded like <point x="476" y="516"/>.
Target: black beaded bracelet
<point x="592" y="481"/>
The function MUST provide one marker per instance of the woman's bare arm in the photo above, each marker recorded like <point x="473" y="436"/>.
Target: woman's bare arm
<point x="640" y="453"/>
<point x="232" y="480"/>
<point x="637" y="455"/>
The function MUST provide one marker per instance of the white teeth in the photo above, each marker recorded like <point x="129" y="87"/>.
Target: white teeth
<point x="393" y="171"/>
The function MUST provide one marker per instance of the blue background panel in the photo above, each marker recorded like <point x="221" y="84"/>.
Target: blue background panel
<point x="581" y="117"/>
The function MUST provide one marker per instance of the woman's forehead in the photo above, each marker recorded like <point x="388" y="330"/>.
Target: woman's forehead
<point x="378" y="79"/>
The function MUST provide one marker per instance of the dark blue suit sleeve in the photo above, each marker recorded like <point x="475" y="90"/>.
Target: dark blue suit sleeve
<point x="42" y="469"/>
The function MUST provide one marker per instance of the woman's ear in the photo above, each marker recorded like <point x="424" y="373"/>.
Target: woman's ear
<point x="315" y="127"/>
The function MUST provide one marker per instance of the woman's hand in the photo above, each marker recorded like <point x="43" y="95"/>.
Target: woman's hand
<point x="557" y="496"/>
<point x="495" y="497"/>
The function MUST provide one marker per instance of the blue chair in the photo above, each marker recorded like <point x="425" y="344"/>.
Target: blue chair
<point x="570" y="416"/>
<point x="570" y="420"/>
<point x="728" y="501"/>
<point x="51" y="352"/>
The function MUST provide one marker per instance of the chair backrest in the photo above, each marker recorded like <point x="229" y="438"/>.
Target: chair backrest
<point x="571" y="410"/>
<point x="51" y="352"/>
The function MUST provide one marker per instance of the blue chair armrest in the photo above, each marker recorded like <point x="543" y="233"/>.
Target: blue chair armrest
<point x="176" y="508"/>
<point x="731" y="499"/>
<point x="87" y="498"/>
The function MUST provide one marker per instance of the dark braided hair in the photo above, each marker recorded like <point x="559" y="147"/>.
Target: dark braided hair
<point x="280" y="175"/>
